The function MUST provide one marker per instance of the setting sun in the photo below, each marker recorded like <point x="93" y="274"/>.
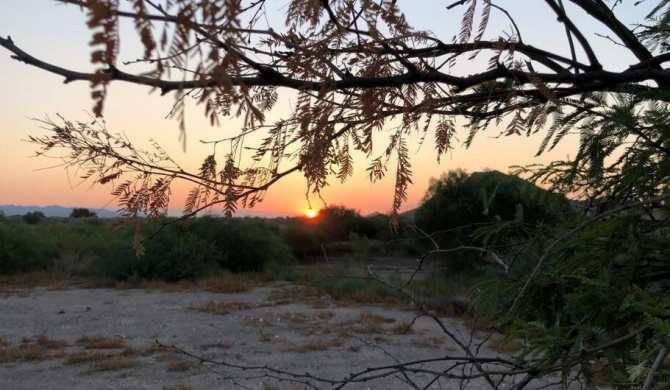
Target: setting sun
<point x="311" y="213"/>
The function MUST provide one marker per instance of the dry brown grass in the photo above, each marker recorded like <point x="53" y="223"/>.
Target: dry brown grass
<point x="181" y="365"/>
<point x="179" y="386"/>
<point x="403" y="327"/>
<point x="227" y="282"/>
<point x="297" y="319"/>
<point x="321" y="344"/>
<point x="220" y="345"/>
<point x="114" y="363"/>
<point x="11" y="285"/>
<point x="256" y="321"/>
<point x="83" y="357"/>
<point x="99" y="342"/>
<point x="375" y="319"/>
<point x="348" y="327"/>
<point x="325" y="314"/>
<point x="427" y="342"/>
<point x="219" y="308"/>
<point x="42" y="348"/>
<point x="44" y="341"/>
<point x="264" y="336"/>
<point x="498" y="343"/>
<point x="299" y="293"/>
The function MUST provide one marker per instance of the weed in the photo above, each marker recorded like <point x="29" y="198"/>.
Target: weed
<point x="179" y="386"/>
<point x="298" y="293"/>
<point x="325" y="314"/>
<point x="430" y="342"/>
<point x="85" y="357"/>
<point x="227" y="282"/>
<point x="220" y="345"/>
<point x="404" y="327"/>
<point x="498" y="343"/>
<point x="317" y="345"/>
<point x="264" y="336"/>
<point x="181" y="366"/>
<point x="375" y="319"/>
<point x="256" y="321"/>
<point x="114" y="363"/>
<point x="358" y="290"/>
<point x="99" y="342"/>
<point x="43" y="341"/>
<point x="220" y="308"/>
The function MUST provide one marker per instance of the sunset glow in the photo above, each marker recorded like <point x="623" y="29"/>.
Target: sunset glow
<point x="311" y="213"/>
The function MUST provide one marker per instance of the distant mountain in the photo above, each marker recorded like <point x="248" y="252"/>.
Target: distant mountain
<point x="52" y="211"/>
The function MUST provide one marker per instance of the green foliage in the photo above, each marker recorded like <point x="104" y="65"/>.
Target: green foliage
<point x="246" y="244"/>
<point x="459" y="205"/>
<point x="33" y="217"/>
<point x="302" y="237"/>
<point x="336" y="223"/>
<point x="596" y="286"/>
<point x="79" y="212"/>
<point x="21" y="250"/>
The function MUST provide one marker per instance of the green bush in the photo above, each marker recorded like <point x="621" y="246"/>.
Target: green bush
<point x="458" y="205"/>
<point x="302" y="237"/>
<point x="245" y="244"/>
<point x="22" y="250"/>
<point x="80" y="212"/>
<point x="34" y="217"/>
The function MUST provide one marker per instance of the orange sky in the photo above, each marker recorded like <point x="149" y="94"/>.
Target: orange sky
<point x="58" y="34"/>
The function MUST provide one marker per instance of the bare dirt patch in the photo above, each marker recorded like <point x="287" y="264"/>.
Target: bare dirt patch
<point x="110" y="339"/>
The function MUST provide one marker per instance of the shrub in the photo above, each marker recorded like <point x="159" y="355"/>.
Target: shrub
<point x="21" y="250"/>
<point x="82" y="213"/>
<point x="245" y="244"/>
<point x="34" y="217"/>
<point x="458" y="204"/>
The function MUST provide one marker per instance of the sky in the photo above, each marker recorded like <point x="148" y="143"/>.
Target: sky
<point x="58" y="34"/>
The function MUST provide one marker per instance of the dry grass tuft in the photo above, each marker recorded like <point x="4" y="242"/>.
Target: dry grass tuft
<point x="114" y="363"/>
<point x="220" y="345"/>
<point x="42" y="348"/>
<point x="498" y="343"/>
<point x="298" y="293"/>
<point x="264" y="336"/>
<point x="220" y="308"/>
<point x="44" y="341"/>
<point x="317" y="345"/>
<point x="85" y="357"/>
<point x="99" y="342"/>
<point x="179" y="386"/>
<point x="13" y="284"/>
<point x="375" y="319"/>
<point x="181" y="365"/>
<point x="429" y="342"/>
<point x="256" y="321"/>
<point x="404" y="327"/>
<point x="227" y="282"/>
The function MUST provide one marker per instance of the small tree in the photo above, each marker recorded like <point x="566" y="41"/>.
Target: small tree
<point x="458" y="205"/>
<point x="79" y="212"/>
<point x="33" y="217"/>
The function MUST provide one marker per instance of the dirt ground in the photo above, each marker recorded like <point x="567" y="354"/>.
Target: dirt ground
<point x="109" y="339"/>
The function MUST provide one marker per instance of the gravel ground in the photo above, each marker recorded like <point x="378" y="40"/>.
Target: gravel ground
<point x="107" y="339"/>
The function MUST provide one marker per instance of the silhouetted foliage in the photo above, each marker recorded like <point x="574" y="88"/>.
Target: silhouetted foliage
<point x="82" y="213"/>
<point x="458" y="203"/>
<point x="33" y="217"/>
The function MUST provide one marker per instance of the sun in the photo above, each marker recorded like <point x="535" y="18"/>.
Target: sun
<point x="311" y="213"/>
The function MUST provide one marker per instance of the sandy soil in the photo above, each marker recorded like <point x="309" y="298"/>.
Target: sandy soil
<point x="106" y="339"/>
